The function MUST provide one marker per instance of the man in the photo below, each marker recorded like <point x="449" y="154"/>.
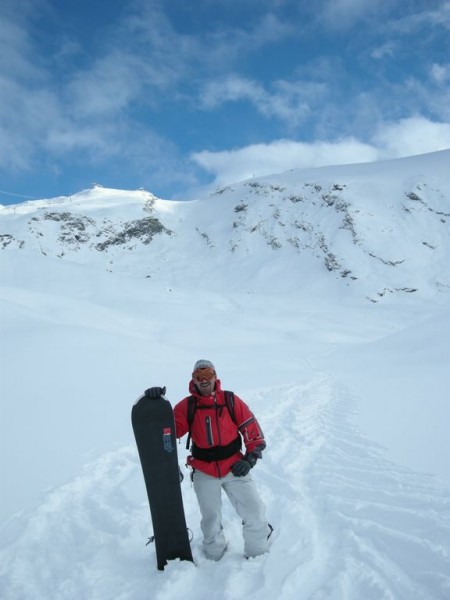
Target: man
<point x="218" y="426"/>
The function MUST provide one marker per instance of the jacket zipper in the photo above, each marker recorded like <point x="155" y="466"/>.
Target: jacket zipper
<point x="209" y="433"/>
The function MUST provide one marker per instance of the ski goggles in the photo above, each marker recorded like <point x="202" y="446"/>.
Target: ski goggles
<point x="201" y="374"/>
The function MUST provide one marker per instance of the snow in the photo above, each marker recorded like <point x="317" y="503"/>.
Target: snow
<point x="352" y="394"/>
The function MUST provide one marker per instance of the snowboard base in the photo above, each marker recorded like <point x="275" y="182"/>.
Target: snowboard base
<point x="154" y="431"/>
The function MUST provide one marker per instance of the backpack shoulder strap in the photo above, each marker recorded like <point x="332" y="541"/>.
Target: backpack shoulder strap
<point x="229" y="401"/>
<point x="192" y="406"/>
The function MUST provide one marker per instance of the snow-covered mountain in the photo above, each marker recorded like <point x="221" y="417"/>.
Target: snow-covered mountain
<point x="322" y="297"/>
<point x="381" y="229"/>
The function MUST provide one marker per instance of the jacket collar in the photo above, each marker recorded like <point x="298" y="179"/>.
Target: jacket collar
<point x="217" y="391"/>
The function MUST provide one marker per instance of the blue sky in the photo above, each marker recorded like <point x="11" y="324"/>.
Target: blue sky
<point x="184" y="97"/>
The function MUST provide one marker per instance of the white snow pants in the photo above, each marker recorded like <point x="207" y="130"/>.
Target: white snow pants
<point x="245" y="499"/>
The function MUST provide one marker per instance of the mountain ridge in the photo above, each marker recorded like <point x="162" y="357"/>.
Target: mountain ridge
<point x="379" y="229"/>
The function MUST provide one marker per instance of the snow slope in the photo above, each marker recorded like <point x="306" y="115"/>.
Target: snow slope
<point x="380" y="229"/>
<point x="349" y="523"/>
<point x="351" y="387"/>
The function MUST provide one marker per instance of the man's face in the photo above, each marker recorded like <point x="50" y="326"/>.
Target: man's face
<point x="205" y="380"/>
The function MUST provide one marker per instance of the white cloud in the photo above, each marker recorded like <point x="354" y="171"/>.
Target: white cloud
<point x="345" y="13"/>
<point x="416" y="135"/>
<point x="385" y="50"/>
<point x="140" y="58"/>
<point x="106" y="89"/>
<point x="440" y="73"/>
<point x="289" y="101"/>
<point x="231" y="89"/>
<point x="278" y="156"/>
<point x="407" y="137"/>
<point x="149" y="32"/>
<point x="439" y="16"/>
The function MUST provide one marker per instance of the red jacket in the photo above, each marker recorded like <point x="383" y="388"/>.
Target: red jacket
<point x="212" y="427"/>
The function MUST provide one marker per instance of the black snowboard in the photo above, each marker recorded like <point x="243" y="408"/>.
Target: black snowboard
<point x="154" y="430"/>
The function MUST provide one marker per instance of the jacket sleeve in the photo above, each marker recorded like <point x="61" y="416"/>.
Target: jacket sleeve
<point x="180" y="416"/>
<point x="248" y="426"/>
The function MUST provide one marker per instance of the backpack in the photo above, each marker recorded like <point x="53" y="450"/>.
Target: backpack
<point x="193" y="406"/>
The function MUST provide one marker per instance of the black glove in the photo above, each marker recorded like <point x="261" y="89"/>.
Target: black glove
<point x="155" y="392"/>
<point x="241" y="468"/>
<point x="253" y="456"/>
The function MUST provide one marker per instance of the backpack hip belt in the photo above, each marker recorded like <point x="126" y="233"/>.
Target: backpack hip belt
<point x="217" y="452"/>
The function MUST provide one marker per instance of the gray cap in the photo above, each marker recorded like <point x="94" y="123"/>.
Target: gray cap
<point x="204" y="364"/>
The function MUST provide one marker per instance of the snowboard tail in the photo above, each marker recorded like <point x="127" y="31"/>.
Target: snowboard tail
<point x="154" y="430"/>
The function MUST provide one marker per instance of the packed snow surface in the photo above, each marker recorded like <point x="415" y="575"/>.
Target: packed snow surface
<point x="348" y="377"/>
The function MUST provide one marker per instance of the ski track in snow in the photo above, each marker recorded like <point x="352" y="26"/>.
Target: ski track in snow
<point x="348" y="523"/>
